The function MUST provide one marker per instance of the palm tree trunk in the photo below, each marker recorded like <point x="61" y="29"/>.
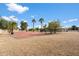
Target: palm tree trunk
<point x="41" y="25"/>
<point x="54" y="31"/>
<point x="26" y="29"/>
<point x="50" y="31"/>
<point x="33" y="27"/>
<point x="12" y="30"/>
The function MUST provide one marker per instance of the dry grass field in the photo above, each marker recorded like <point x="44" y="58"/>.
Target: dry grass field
<point x="65" y="43"/>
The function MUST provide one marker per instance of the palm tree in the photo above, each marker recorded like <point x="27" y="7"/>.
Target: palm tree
<point x="41" y="20"/>
<point x="33" y="21"/>
<point x="12" y="26"/>
<point x="9" y="25"/>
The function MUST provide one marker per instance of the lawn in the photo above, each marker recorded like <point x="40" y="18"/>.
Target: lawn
<point x="64" y="43"/>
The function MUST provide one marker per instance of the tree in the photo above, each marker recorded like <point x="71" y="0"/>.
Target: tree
<point x="11" y="26"/>
<point x="33" y="21"/>
<point x="53" y="26"/>
<point x="37" y="29"/>
<point x="3" y="23"/>
<point x="41" y="20"/>
<point x="31" y="29"/>
<point x="44" y="27"/>
<point x="24" y="25"/>
<point x="74" y="27"/>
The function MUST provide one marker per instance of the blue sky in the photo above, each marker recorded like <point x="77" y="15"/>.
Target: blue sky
<point x="68" y="14"/>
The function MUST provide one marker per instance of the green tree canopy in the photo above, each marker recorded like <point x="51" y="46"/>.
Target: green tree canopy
<point x="41" y="20"/>
<point x="11" y="26"/>
<point x="8" y="25"/>
<point x="33" y="21"/>
<point x="23" y="25"/>
<point x="53" y="26"/>
<point x="3" y="23"/>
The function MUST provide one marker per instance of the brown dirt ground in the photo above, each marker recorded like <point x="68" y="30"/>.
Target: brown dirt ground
<point x="60" y="44"/>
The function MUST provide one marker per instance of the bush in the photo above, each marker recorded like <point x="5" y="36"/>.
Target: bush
<point x="54" y="26"/>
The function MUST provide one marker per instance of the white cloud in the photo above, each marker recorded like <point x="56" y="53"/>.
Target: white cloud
<point x="70" y="20"/>
<point x="39" y="26"/>
<point x="10" y="18"/>
<point x="32" y="16"/>
<point x="6" y="18"/>
<point x="64" y="21"/>
<point x="24" y="20"/>
<point x="19" y="26"/>
<point x="17" y="8"/>
<point x="13" y="18"/>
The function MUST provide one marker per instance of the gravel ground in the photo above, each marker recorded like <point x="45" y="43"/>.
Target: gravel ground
<point x="60" y="44"/>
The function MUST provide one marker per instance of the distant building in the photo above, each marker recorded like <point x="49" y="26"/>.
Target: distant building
<point x="78" y="28"/>
<point x="64" y="29"/>
<point x="1" y="31"/>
